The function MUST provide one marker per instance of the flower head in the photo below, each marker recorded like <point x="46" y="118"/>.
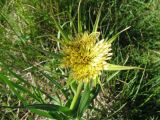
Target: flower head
<point x="86" y="56"/>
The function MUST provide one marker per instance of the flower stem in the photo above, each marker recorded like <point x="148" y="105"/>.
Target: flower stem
<point x="76" y="96"/>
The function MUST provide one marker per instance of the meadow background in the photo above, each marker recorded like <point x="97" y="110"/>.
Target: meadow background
<point x="28" y="56"/>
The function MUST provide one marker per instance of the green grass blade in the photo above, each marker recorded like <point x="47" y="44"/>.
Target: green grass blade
<point x="112" y="76"/>
<point x="44" y="107"/>
<point x="115" y="36"/>
<point x="95" y="27"/>
<point x="22" y="80"/>
<point x="44" y="113"/>
<point x="84" y="102"/>
<point x="49" y="107"/>
<point x="119" y="67"/>
<point x="12" y="26"/>
<point x="12" y="87"/>
<point x="79" y="18"/>
<point x="117" y="110"/>
<point x="59" y="86"/>
<point x="51" y="114"/>
<point x="22" y="89"/>
<point x="57" y="25"/>
<point x="139" y="86"/>
<point x="95" y="92"/>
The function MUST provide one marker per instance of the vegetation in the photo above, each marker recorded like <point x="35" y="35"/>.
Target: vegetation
<point x="33" y="85"/>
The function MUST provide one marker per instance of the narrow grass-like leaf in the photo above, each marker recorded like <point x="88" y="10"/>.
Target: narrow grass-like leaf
<point x="43" y="113"/>
<point x="50" y="114"/>
<point x="57" y="85"/>
<point x="46" y="110"/>
<point x="49" y="107"/>
<point x="65" y="37"/>
<point x="76" y="97"/>
<point x="22" y="80"/>
<point x="118" y="67"/>
<point x="54" y="82"/>
<point x="46" y="114"/>
<point x="12" y="27"/>
<point x="79" y="18"/>
<point x="116" y="35"/>
<point x="112" y="76"/>
<point x="12" y="87"/>
<point x="139" y="86"/>
<point x="73" y="87"/>
<point x="95" y="27"/>
<point x="24" y="90"/>
<point x="84" y="102"/>
<point x="117" y="110"/>
<point x="95" y="92"/>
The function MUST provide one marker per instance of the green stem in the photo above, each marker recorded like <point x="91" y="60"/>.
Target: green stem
<point x="76" y="96"/>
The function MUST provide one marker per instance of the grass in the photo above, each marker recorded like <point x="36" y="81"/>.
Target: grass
<point x="28" y="40"/>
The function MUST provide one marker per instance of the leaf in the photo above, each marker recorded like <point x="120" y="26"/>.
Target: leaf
<point x="39" y="112"/>
<point x="49" y="107"/>
<point x="76" y="97"/>
<point x="54" y="109"/>
<point x="84" y="102"/>
<point x="79" y="18"/>
<point x="65" y="37"/>
<point x="73" y="87"/>
<point x="57" y="85"/>
<point x="95" y="27"/>
<point x="46" y="110"/>
<point x="112" y="76"/>
<point x="139" y="86"/>
<point x="24" y="90"/>
<point x="115" y="36"/>
<point x="113" y="67"/>
<point x="119" y="109"/>
<point x="15" y="85"/>
<point x="100" y="83"/>
<point x="44" y="113"/>
<point x="22" y="80"/>
<point x="12" y="87"/>
<point x="49" y="114"/>
<point x="95" y="92"/>
<point x="12" y="25"/>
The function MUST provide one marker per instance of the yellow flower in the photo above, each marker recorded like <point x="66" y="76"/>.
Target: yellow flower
<point x="86" y="56"/>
